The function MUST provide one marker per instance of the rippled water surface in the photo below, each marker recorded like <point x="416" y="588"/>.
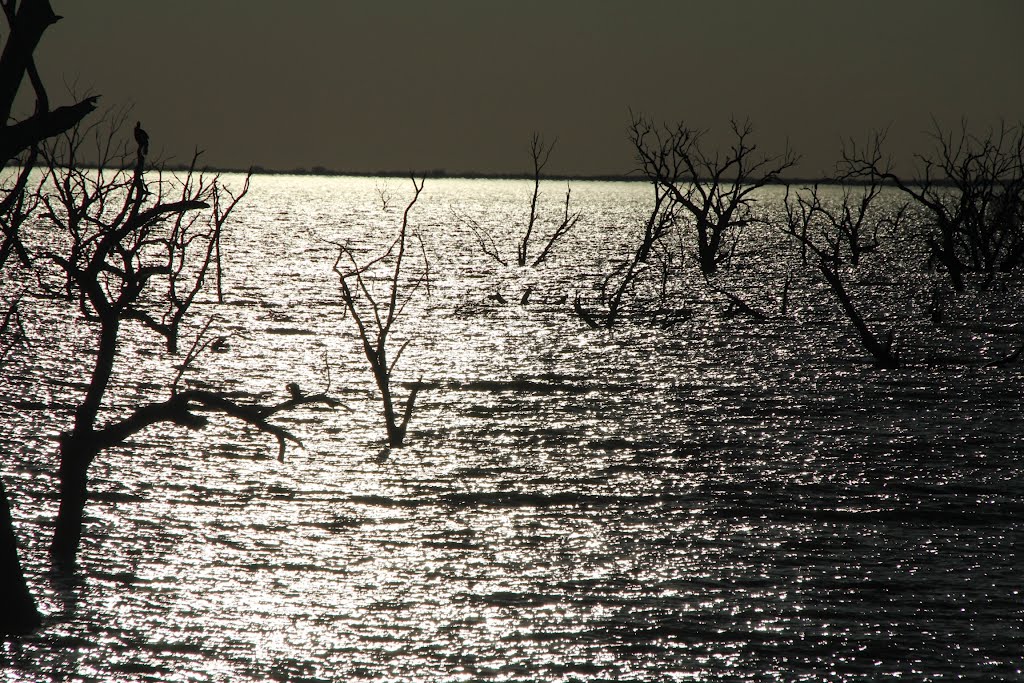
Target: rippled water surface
<point x="721" y="499"/>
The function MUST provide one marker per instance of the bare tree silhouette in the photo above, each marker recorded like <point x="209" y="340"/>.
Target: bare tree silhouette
<point x="971" y="188"/>
<point x="375" y="318"/>
<point x="135" y="247"/>
<point x="715" y="189"/>
<point x="839" y="235"/>
<point x="540" y="154"/>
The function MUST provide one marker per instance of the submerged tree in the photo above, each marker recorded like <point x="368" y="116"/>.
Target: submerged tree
<point x="135" y="248"/>
<point x="375" y="314"/>
<point x="27" y="21"/>
<point x="715" y="190"/>
<point x="971" y="189"/>
<point x="540" y="154"/>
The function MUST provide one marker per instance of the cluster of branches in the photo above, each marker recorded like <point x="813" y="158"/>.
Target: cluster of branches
<point x="540" y="154"/>
<point x="135" y="248"/>
<point x="841" y="234"/>
<point x="971" y="189"/>
<point x="713" y="190"/>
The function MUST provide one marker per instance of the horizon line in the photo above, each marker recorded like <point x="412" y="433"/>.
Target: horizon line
<point x="440" y="173"/>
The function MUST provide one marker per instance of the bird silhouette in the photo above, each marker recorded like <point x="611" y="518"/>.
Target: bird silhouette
<point x="293" y="389"/>
<point x="142" y="138"/>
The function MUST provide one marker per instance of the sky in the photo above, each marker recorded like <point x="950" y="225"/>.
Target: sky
<point x="460" y="85"/>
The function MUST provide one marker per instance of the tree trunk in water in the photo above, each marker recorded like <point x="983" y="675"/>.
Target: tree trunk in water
<point x="707" y="251"/>
<point x="79" y="448"/>
<point x="19" y="616"/>
<point x="396" y="434"/>
<point x="946" y="255"/>
<point x="74" y="463"/>
<point x="883" y="353"/>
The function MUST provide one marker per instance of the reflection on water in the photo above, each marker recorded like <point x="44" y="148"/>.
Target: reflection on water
<point x="722" y="500"/>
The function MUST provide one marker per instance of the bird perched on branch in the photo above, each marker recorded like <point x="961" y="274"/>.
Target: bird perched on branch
<point x="142" y="138"/>
<point x="294" y="390"/>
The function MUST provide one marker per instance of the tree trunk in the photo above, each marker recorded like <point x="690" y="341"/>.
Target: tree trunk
<point x="19" y="615"/>
<point x="946" y="255"/>
<point x="75" y="458"/>
<point x="79" y="448"/>
<point x="882" y="352"/>
<point x="707" y="249"/>
<point x="395" y="435"/>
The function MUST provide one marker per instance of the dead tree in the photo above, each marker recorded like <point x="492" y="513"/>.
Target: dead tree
<point x="540" y="153"/>
<point x="135" y="247"/>
<point x="27" y="21"/>
<point x="851" y="226"/>
<point x="823" y="231"/>
<point x="375" y="318"/>
<point x="715" y="189"/>
<point x="971" y="189"/>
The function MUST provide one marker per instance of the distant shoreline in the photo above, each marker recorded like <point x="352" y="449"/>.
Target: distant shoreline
<point x="477" y="175"/>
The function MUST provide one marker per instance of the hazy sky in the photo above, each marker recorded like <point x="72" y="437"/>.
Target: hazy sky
<point x="460" y="84"/>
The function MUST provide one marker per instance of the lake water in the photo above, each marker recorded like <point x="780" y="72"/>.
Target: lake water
<point x="718" y="499"/>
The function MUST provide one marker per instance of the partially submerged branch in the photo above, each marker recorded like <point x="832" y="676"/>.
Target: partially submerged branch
<point x="569" y="220"/>
<point x="181" y="407"/>
<point x="736" y="304"/>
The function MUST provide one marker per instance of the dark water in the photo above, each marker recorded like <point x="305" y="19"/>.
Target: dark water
<point x="725" y="499"/>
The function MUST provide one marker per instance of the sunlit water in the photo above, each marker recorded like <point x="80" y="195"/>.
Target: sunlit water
<point x="722" y="499"/>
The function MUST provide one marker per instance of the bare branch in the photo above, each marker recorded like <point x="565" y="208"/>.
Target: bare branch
<point x="181" y="406"/>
